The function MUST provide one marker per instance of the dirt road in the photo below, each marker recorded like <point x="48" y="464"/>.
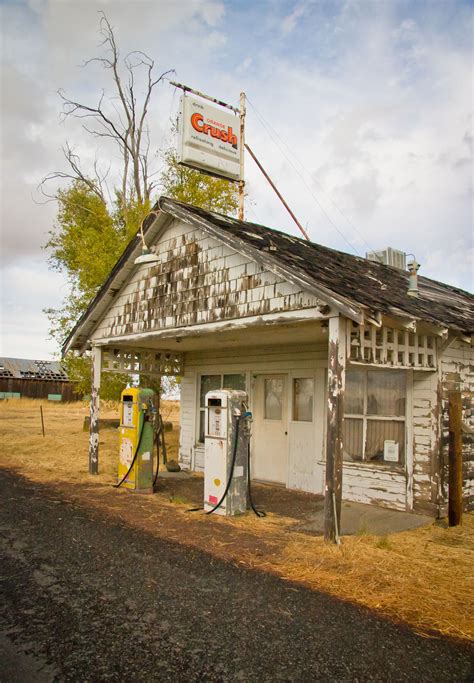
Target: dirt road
<point x="86" y="598"/>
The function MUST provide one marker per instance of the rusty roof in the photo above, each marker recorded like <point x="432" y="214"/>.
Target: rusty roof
<point x="24" y="368"/>
<point x="351" y="284"/>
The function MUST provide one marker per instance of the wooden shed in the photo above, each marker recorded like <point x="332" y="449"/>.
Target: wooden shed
<point x="336" y="357"/>
<point x="22" y="377"/>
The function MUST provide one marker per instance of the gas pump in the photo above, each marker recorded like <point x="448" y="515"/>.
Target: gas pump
<point x="137" y="432"/>
<point x="227" y="434"/>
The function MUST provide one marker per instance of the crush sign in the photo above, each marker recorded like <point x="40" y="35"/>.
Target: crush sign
<point x="209" y="138"/>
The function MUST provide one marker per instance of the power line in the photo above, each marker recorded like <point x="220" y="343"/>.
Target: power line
<point x="280" y="143"/>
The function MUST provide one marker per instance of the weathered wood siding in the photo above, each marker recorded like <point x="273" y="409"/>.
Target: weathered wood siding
<point x="197" y="280"/>
<point x="425" y="435"/>
<point x="361" y="483"/>
<point x="457" y="374"/>
<point x="37" y="388"/>
<point x="187" y="420"/>
<point x="368" y="484"/>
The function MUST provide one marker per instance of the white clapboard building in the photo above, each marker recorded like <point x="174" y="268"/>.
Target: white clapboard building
<point x="332" y="350"/>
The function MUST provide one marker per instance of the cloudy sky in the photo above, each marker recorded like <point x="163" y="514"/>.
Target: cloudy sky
<point x="361" y="111"/>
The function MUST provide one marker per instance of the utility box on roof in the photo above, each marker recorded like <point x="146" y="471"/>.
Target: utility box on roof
<point x="227" y="437"/>
<point x="389" y="257"/>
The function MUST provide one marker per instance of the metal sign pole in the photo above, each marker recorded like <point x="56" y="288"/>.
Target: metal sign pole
<point x="242" y="151"/>
<point x="186" y="88"/>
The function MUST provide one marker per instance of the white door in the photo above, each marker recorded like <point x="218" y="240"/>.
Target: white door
<point x="270" y="429"/>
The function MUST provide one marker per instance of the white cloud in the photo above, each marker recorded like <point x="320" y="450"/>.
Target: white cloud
<point x="289" y="23"/>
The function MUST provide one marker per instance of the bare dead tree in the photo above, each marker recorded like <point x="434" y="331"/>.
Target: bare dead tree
<point x="120" y="116"/>
<point x="95" y="180"/>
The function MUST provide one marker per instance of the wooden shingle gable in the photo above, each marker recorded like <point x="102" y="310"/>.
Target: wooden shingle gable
<point x="197" y="280"/>
<point x="363" y="291"/>
<point x="367" y="285"/>
<point x="265" y="259"/>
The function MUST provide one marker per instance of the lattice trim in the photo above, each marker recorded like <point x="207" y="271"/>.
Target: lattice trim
<point x="135" y="362"/>
<point x="390" y="347"/>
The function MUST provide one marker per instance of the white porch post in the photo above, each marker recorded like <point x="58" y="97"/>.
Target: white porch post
<point x="96" y="356"/>
<point x="335" y="414"/>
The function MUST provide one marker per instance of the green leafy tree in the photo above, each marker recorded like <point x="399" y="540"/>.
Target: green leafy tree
<point x="85" y="243"/>
<point x="190" y="186"/>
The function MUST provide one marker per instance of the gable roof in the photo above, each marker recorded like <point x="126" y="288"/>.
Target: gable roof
<point x="352" y="284"/>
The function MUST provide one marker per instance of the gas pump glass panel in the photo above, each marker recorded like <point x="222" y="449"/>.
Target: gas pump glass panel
<point x="212" y="383"/>
<point x="216" y="418"/>
<point x="127" y="411"/>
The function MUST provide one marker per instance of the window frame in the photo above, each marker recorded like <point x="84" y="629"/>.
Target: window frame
<point x="365" y="417"/>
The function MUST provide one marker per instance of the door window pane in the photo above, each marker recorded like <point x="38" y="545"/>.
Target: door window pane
<point x="386" y="391"/>
<point x="352" y="439"/>
<point x="274" y="398"/>
<point x="377" y="432"/>
<point x="209" y="383"/>
<point x="354" y="394"/>
<point x="236" y="382"/>
<point x="303" y="390"/>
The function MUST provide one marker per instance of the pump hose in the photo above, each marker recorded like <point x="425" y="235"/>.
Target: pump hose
<point x="116" y="486"/>
<point x="157" y="441"/>
<point x="231" y="473"/>
<point x="259" y="513"/>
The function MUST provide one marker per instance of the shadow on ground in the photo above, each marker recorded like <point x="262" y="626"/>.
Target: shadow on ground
<point x="96" y="599"/>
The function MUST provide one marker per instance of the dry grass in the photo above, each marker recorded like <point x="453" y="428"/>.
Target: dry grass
<point x="62" y="454"/>
<point x="422" y="577"/>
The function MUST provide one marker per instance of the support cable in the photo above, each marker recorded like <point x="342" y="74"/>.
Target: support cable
<point x="274" y="187"/>
<point x="280" y="143"/>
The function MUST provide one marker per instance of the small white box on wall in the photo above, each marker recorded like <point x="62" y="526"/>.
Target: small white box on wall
<point x="390" y="451"/>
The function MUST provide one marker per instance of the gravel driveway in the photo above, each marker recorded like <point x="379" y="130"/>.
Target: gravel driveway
<point x="85" y="598"/>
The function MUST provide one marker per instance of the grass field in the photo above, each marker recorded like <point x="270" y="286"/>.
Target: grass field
<point x="424" y="578"/>
<point x="62" y="455"/>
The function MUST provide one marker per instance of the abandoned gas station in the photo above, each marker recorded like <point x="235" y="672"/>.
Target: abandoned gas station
<point x="347" y="363"/>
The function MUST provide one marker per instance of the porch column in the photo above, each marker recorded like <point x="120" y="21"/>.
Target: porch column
<point x="96" y="357"/>
<point x="335" y="413"/>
